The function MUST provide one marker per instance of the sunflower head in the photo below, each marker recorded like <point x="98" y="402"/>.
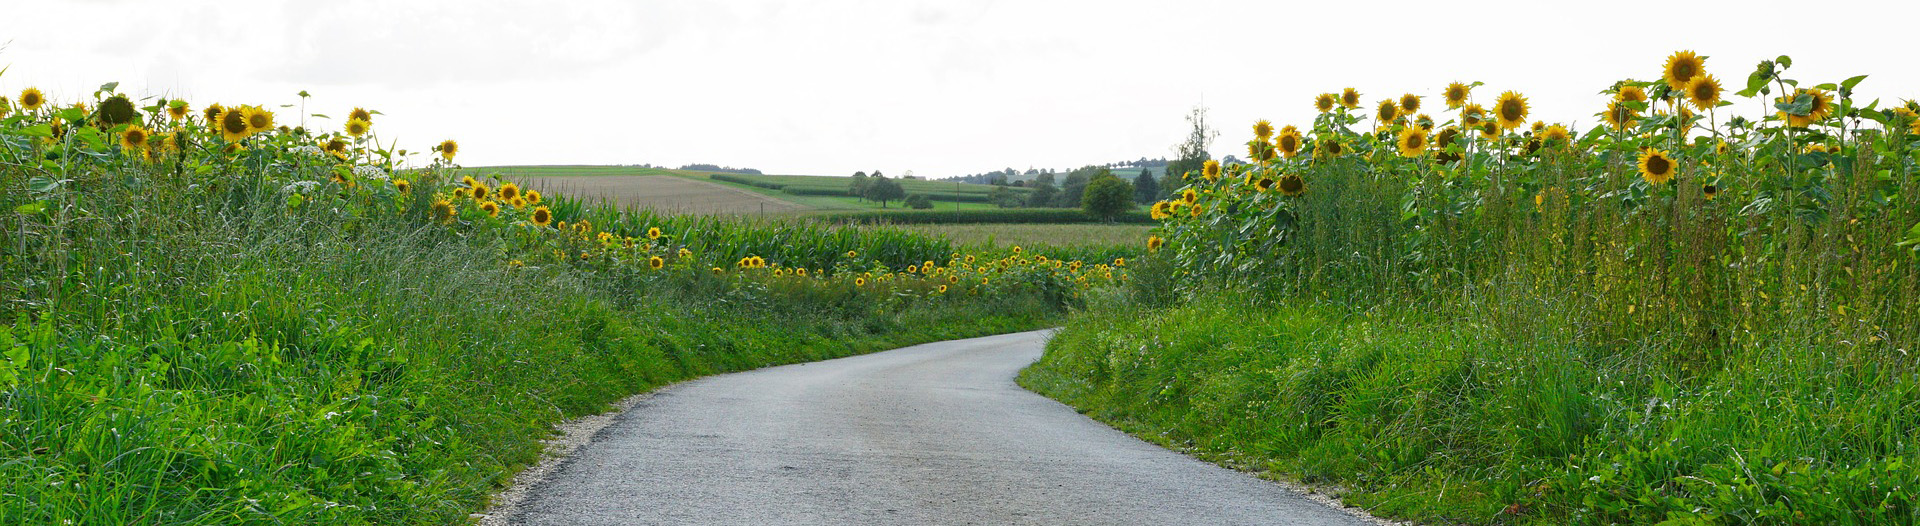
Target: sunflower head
<point x="1289" y="142"/>
<point x="1350" y="98"/>
<point x="258" y="119"/>
<point x="402" y="185"/>
<point x="1291" y="185"/>
<point x="481" y="191"/>
<point x="1189" y="196"/>
<point x="1161" y="210"/>
<point x="491" y="208"/>
<point x="1820" y="107"/>
<point x="361" y="114"/>
<point x="1445" y="137"/>
<point x="442" y="210"/>
<point x="1511" y="110"/>
<point x="177" y="110"/>
<point x="31" y="99"/>
<point x="1326" y="148"/>
<point x="533" y="196"/>
<point x="1656" y="167"/>
<point x="1620" y="116"/>
<point x="233" y="125"/>
<point x="1489" y="130"/>
<point x="358" y="127"/>
<point x="1263" y="129"/>
<point x="1557" y="134"/>
<point x="1472" y="114"/>
<point x="653" y="232"/>
<point x="212" y="112"/>
<point x="116" y="110"/>
<point x="1630" y="92"/>
<point x="1412" y="142"/>
<point x="1325" y="102"/>
<point x="1457" y="95"/>
<point x="1682" y="67"/>
<point x="1387" y="111"/>
<point x="1409" y="104"/>
<point x="336" y="147"/>
<point x="134" y="138"/>
<point x="1710" y="190"/>
<point x="509" y="191"/>
<point x="656" y="262"/>
<point x="447" y="149"/>
<point x="1154" y="243"/>
<point x="1703" y="92"/>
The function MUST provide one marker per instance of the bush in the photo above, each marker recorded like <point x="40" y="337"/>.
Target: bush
<point x="919" y="202"/>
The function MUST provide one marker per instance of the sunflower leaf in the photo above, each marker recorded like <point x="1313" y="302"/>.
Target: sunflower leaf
<point x="1827" y="86"/>
<point x="1785" y="61"/>
<point x="108" y="87"/>
<point x="1850" y="83"/>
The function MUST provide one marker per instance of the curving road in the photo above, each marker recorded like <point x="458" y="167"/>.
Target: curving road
<point x="930" y="434"/>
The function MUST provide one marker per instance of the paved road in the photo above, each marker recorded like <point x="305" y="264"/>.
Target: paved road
<point x="931" y="434"/>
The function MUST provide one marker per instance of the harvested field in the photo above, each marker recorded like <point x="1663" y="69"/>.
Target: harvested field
<point x="678" y="195"/>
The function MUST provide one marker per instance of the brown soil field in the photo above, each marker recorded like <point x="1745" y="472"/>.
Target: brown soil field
<point x="662" y="193"/>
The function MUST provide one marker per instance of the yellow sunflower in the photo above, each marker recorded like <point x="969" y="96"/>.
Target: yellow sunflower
<point x="1409" y="104"/>
<point x="402" y="185"/>
<point x="1210" y="170"/>
<point x="1710" y="190"/>
<point x="233" y="125"/>
<point x="1386" y="112"/>
<point x="1681" y="68"/>
<point x="31" y="99"/>
<point x="1326" y="149"/>
<point x="1511" y="110"/>
<point x="1289" y="142"/>
<point x="6" y="107"/>
<point x="442" y="210"/>
<point x="1262" y="129"/>
<point x="481" y="191"/>
<point x="447" y="149"/>
<point x="1325" y="102"/>
<point x="860" y="281"/>
<point x="656" y="262"/>
<point x="653" y="232"/>
<point x="212" y="112"/>
<point x="336" y="147"/>
<point x="1821" y="108"/>
<point x="1457" y="95"/>
<point x="1350" y="98"/>
<point x="1260" y="150"/>
<point x="1703" y="92"/>
<point x="1292" y="185"/>
<point x="1472" y="115"/>
<point x="1656" y="167"/>
<point x="1413" y="142"/>
<point x="1489" y="130"/>
<point x="1445" y="137"/>
<point x="1630" y="92"/>
<point x="361" y="114"/>
<point x="134" y="138"/>
<point x="1189" y="196"/>
<point x="1154" y="243"/>
<point x="358" y="127"/>
<point x="1160" y="210"/>
<point x="533" y="196"/>
<point x="1620" y="116"/>
<point x="1557" y="134"/>
<point x="177" y="110"/>
<point x="509" y="191"/>
<point x="258" y="119"/>
<point x="1539" y="126"/>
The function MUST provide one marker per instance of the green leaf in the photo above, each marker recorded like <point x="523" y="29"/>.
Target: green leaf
<point x="108" y="87"/>
<point x="1755" y="82"/>
<point x="43" y="184"/>
<point x="1850" y="83"/>
<point x="1785" y="61"/>
<point x="1827" y="86"/>
<point x="33" y="208"/>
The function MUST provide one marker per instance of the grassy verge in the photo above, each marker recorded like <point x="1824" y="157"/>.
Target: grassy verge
<point x="990" y="215"/>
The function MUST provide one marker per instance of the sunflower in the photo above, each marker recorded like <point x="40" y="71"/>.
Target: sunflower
<point x="1326" y="149"/>
<point x="1472" y="115"/>
<point x="1721" y="148"/>
<point x="1510" y="110"/>
<point x="442" y="210"/>
<point x="1409" y="103"/>
<point x="358" y="127"/>
<point x="533" y="196"/>
<point x="213" y="111"/>
<point x="1457" y="95"/>
<point x="336" y="147"/>
<point x="1325" y="101"/>
<point x="233" y="125"/>
<point x="481" y="191"/>
<point x="1260" y="150"/>
<point x="1557" y="133"/>
<point x="860" y="281"/>
<point x="178" y="110"/>
<point x="402" y="186"/>
<point x="1620" y="116"/>
<point x="1821" y="108"/>
<point x="116" y="110"/>
<point x="1538" y="126"/>
<point x="1445" y="137"/>
<point x="1161" y="210"/>
<point x="1710" y="190"/>
<point x="1292" y="185"/>
<point x="1703" y="92"/>
<point x="1682" y="67"/>
<point x="1630" y="92"/>
<point x="656" y="262"/>
<point x="447" y="148"/>
<point x="361" y="114"/>
<point x="653" y="233"/>
<point x="1489" y="130"/>
<point x="6" y="107"/>
<point x="509" y="191"/>
<point x="1210" y="170"/>
<point x="1350" y="98"/>
<point x="1264" y="184"/>
<point x="943" y="289"/>
<point x="32" y="98"/>
<point x="1263" y="129"/>
<point x="1655" y="166"/>
<point x="134" y="138"/>
<point x="1413" y="142"/>
<point x="517" y="202"/>
<point x="1387" y="111"/>
<point x="1289" y="142"/>
<point x="1154" y="243"/>
<point x="258" y="119"/>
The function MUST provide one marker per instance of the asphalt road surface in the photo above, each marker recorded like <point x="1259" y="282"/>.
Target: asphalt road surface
<point x="930" y="434"/>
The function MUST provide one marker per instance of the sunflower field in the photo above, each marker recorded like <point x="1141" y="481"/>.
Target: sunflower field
<point x="226" y="314"/>
<point x="1684" y="314"/>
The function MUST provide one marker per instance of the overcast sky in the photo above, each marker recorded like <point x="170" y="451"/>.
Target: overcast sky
<point x="939" y="88"/>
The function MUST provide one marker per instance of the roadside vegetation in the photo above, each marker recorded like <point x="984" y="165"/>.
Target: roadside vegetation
<point x="212" y="314"/>
<point x="1466" y="316"/>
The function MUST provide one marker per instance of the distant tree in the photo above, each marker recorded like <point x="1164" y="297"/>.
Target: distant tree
<point x="882" y="189"/>
<point x="997" y="180"/>
<point x="919" y="202"/>
<point x="1003" y="197"/>
<point x="1045" y="178"/>
<point x="1145" y="189"/>
<point x="858" y="188"/>
<point x="1192" y="153"/>
<point x="1043" y="194"/>
<point x="1106" y="197"/>
<point x="1076" y="183"/>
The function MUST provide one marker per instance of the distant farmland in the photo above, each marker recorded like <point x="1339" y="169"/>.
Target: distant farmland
<point x="678" y="195"/>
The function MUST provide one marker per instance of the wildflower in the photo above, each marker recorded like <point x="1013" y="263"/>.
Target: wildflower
<point x="1325" y="101"/>
<point x="1262" y="130"/>
<point x="1413" y="142"/>
<point x="1620" y="116"/>
<point x="402" y="185"/>
<point x="258" y="119"/>
<point x="509" y="191"/>
<point x="1703" y="92"/>
<point x="178" y="110"/>
<point x="1456" y="95"/>
<point x="1510" y="110"/>
<point x="1472" y="114"/>
<point x="212" y="112"/>
<point x="1210" y="170"/>
<point x="358" y="127"/>
<point x="1153" y="243"/>
<point x="653" y="232"/>
<point x="860" y="282"/>
<point x="447" y="148"/>
<point x="1350" y="98"/>
<point x="1655" y="166"/>
<point x="1682" y="66"/>
<point x="1289" y="143"/>
<point x="360" y="114"/>
<point x="233" y="125"/>
<point x="1630" y="93"/>
<point x="31" y="99"/>
<point x="656" y="262"/>
<point x="1409" y="104"/>
<point x="533" y="196"/>
<point x="542" y="216"/>
<point x="1558" y="134"/>
<point x="1386" y="112"/>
